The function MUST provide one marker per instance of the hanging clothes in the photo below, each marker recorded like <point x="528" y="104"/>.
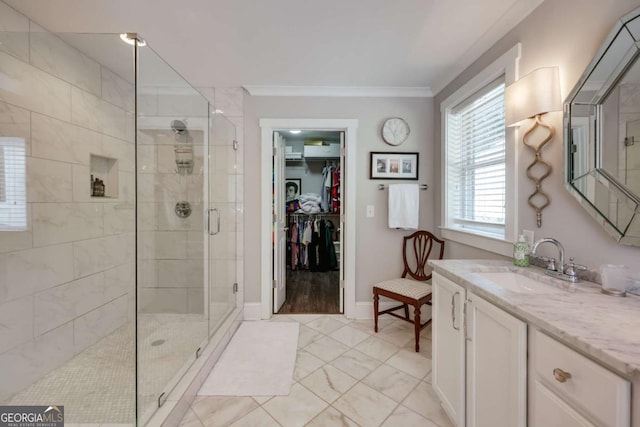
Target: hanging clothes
<point x="331" y="250"/>
<point x="323" y="251"/>
<point x="312" y="248"/>
<point x="324" y="191"/>
<point x="295" y="246"/>
<point x="330" y="190"/>
<point x="310" y="245"/>
<point x="335" y="190"/>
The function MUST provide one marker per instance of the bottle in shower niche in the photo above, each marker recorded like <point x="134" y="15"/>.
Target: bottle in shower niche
<point x="521" y="252"/>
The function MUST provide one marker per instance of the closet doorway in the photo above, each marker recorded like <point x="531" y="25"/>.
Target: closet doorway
<point x="308" y="167"/>
<point x="298" y="276"/>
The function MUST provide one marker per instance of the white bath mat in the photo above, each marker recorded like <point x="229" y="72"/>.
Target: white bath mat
<point x="259" y="361"/>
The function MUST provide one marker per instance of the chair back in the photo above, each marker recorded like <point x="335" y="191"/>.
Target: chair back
<point x="415" y="252"/>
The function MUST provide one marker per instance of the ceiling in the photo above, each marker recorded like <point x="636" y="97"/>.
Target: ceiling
<point x="352" y="43"/>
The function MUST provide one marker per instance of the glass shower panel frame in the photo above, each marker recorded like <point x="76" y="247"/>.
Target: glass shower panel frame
<point x="173" y="143"/>
<point x="223" y="219"/>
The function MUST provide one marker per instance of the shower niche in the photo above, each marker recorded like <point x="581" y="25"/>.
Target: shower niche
<point x="104" y="177"/>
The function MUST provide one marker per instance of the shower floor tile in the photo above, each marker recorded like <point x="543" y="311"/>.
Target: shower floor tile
<point x="98" y="385"/>
<point x="167" y="347"/>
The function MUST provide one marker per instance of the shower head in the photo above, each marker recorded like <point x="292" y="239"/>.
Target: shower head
<point x="178" y="127"/>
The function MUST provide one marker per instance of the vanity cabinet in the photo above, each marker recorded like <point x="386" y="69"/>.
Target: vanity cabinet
<point x="567" y="389"/>
<point x="448" y="347"/>
<point x="480" y="359"/>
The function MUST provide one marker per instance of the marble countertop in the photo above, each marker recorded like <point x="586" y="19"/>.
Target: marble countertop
<point x="605" y="328"/>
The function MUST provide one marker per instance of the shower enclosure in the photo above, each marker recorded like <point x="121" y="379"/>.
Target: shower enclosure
<point x="118" y="223"/>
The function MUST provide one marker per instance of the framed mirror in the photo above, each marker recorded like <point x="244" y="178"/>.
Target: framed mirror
<point x="602" y="134"/>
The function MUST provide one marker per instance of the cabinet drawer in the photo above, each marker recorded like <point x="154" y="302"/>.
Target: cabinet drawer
<point x="589" y="387"/>
<point x="551" y="411"/>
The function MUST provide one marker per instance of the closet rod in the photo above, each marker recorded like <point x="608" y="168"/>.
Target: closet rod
<point x="383" y="186"/>
<point x="314" y="214"/>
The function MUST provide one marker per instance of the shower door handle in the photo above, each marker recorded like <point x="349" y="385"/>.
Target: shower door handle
<point x="209" y="222"/>
<point x="217" y="211"/>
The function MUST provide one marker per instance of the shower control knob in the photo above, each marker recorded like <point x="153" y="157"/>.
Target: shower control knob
<point x="183" y="209"/>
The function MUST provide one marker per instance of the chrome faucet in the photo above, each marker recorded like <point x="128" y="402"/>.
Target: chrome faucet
<point x="570" y="273"/>
<point x="551" y="266"/>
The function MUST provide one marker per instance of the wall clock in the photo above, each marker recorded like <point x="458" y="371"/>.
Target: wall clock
<point x="395" y="131"/>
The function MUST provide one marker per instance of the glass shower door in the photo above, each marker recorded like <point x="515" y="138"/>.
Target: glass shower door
<point x="223" y="220"/>
<point x="172" y="142"/>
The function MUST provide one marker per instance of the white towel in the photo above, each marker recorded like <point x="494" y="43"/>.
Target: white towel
<point x="404" y="201"/>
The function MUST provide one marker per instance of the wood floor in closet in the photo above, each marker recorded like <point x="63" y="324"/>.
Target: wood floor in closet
<point x="312" y="292"/>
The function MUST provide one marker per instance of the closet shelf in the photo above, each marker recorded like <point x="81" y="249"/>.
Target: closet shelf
<point x="293" y="157"/>
<point x="321" y="152"/>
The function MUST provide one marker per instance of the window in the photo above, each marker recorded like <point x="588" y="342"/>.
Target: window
<point x="476" y="162"/>
<point x="13" y="194"/>
<point x="479" y="201"/>
<point x="3" y="185"/>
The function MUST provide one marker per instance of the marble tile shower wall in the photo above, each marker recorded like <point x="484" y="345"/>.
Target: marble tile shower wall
<point x="171" y="249"/>
<point x="68" y="280"/>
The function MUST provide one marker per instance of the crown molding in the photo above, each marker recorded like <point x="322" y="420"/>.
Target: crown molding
<point x="340" y="91"/>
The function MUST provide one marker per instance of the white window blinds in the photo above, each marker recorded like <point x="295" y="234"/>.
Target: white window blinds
<point x="476" y="190"/>
<point x="13" y="194"/>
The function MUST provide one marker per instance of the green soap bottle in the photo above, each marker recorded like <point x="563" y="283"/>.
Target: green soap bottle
<point x="521" y="252"/>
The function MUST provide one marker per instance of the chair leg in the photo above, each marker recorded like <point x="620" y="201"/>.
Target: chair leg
<point x="416" y="326"/>
<point x="406" y="311"/>
<point x="376" y="300"/>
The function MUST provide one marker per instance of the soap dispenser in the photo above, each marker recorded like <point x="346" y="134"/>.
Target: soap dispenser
<point x="521" y="252"/>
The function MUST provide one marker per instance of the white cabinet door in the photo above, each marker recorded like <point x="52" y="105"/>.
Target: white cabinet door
<point x="496" y="366"/>
<point x="448" y="347"/>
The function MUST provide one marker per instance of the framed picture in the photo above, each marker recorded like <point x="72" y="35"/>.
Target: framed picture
<point x="389" y="165"/>
<point x="293" y="188"/>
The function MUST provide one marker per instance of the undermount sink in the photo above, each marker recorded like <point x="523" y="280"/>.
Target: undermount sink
<point x="515" y="282"/>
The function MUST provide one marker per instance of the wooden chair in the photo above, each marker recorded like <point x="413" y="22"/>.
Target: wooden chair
<point x="413" y="290"/>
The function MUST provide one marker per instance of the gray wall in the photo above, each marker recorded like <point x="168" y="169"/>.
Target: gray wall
<point x="378" y="249"/>
<point x="564" y="33"/>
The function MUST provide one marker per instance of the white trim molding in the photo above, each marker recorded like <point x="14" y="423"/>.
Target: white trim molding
<point x="341" y="91"/>
<point x="252" y="310"/>
<point x="267" y="127"/>
<point x="507" y="65"/>
<point x="488" y="243"/>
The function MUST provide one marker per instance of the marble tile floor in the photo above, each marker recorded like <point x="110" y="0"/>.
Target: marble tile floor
<point x="345" y="375"/>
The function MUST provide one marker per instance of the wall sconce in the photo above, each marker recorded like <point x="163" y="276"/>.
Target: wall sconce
<point x="531" y="97"/>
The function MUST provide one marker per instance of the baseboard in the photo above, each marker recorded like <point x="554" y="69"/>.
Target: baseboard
<point x="364" y="310"/>
<point x="252" y="311"/>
